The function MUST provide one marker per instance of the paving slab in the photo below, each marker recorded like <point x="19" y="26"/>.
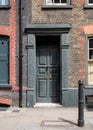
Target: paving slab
<point x="44" y="119"/>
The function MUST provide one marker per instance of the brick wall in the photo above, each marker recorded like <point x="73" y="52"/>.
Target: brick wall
<point x="78" y="17"/>
<point x="8" y="28"/>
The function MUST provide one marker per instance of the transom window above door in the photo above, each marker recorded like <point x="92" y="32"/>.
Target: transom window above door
<point x="4" y="2"/>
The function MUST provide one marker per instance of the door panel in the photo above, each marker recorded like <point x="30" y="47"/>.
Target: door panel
<point x="42" y="88"/>
<point x="52" y="88"/>
<point x="42" y="58"/>
<point x="52" y="56"/>
<point x="47" y="74"/>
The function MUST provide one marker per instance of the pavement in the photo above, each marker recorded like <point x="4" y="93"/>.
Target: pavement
<point x="55" y="118"/>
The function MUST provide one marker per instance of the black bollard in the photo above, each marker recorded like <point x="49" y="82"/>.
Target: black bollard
<point x="80" y="103"/>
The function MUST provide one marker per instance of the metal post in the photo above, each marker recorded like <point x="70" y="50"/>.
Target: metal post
<point x="20" y="53"/>
<point x="80" y="103"/>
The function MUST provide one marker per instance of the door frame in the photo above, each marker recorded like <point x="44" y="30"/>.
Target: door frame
<point x="46" y="29"/>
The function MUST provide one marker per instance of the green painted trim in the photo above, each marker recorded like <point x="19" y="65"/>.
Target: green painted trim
<point x="64" y="60"/>
<point x="47" y="28"/>
<point x="70" y="97"/>
<point x="88" y="91"/>
<point x="6" y="85"/>
<point x="41" y="29"/>
<point x="30" y="96"/>
<point x="31" y="70"/>
<point x="5" y="6"/>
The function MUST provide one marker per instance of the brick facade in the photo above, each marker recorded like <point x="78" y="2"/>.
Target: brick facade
<point x="33" y="13"/>
<point x="82" y="24"/>
<point x="8" y="28"/>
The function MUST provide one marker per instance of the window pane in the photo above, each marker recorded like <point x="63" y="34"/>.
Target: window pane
<point x="63" y="1"/>
<point x="91" y="1"/>
<point x="90" y="43"/>
<point x="7" y="2"/>
<point x="90" y="54"/>
<point x="56" y="1"/>
<point x="4" y="2"/>
<point x="59" y="1"/>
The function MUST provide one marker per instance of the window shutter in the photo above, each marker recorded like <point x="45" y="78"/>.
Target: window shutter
<point x="3" y="60"/>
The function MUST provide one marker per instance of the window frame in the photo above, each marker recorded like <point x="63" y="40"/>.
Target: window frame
<point x="55" y="5"/>
<point x="88" y="5"/>
<point x="88" y="84"/>
<point x="5" y="6"/>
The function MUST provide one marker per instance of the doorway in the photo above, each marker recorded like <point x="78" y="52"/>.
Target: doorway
<point x="47" y="69"/>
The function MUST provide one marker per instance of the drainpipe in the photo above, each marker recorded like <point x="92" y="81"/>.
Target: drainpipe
<point x="20" y="54"/>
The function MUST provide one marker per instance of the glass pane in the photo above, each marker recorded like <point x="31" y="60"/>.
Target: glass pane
<point x="90" y="54"/>
<point x="4" y="2"/>
<point x="63" y="1"/>
<point x="90" y="43"/>
<point x="91" y="1"/>
<point x="56" y="1"/>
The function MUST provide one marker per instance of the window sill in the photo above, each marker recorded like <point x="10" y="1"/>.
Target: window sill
<point x="57" y="7"/>
<point x="5" y="86"/>
<point x="89" y="87"/>
<point x="88" y="7"/>
<point x="4" y="6"/>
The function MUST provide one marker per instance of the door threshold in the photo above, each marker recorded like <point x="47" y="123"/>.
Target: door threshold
<point x="47" y="105"/>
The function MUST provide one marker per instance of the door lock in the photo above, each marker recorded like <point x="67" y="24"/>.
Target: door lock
<point x="48" y="76"/>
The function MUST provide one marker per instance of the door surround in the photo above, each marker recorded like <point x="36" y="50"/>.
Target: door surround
<point x="46" y="29"/>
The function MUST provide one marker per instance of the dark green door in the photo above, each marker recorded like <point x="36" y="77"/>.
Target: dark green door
<point x="4" y="60"/>
<point x="47" y="74"/>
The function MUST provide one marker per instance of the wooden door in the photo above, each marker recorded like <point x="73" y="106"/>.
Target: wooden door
<point x="47" y="74"/>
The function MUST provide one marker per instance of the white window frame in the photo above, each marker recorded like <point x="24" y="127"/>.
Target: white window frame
<point x="90" y="60"/>
<point x="49" y="3"/>
<point x="89" y="3"/>
<point x="4" y="2"/>
<point x="52" y="2"/>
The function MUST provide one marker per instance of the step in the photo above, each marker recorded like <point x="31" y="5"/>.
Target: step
<point x="47" y="105"/>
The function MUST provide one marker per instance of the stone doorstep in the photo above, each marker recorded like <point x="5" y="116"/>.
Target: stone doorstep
<point x="47" y="105"/>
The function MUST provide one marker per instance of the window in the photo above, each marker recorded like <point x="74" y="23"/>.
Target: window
<point x="57" y="4"/>
<point x="4" y="2"/>
<point x="4" y="60"/>
<point x="90" y="61"/>
<point x="90" y="2"/>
